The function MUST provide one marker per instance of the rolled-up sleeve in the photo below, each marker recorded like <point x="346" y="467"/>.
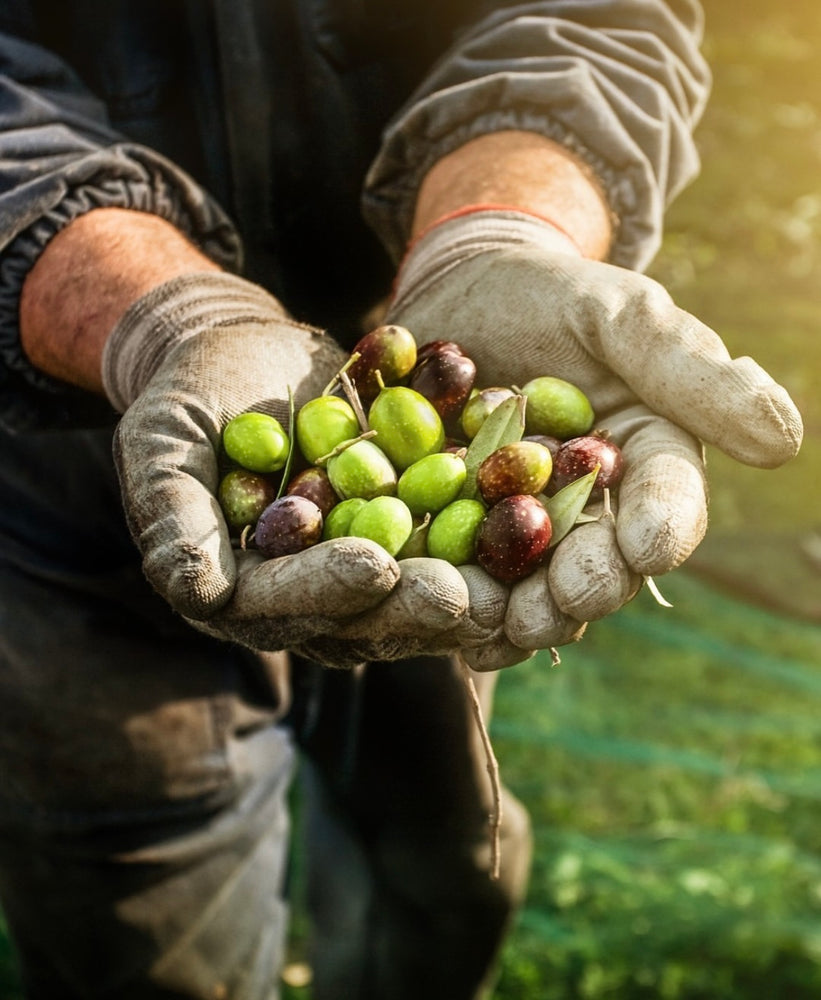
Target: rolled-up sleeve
<point x="622" y="83"/>
<point x="59" y="158"/>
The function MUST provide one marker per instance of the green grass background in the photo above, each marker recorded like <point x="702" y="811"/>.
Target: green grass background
<point x="672" y="762"/>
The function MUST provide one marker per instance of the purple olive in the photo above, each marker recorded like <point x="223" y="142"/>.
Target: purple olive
<point x="314" y="484"/>
<point x="288" y="525"/>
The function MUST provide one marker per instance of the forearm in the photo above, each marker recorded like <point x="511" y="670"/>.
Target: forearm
<point x="519" y="170"/>
<point x="86" y="278"/>
<point x="619" y="84"/>
<point x="103" y="261"/>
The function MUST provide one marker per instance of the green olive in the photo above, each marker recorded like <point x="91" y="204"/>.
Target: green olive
<point x="407" y="425"/>
<point x="322" y="424"/>
<point x="432" y="483"/>
<point x="362" y="470"/>
<point x="556" y="407"/>
<point x="256" y="441"/>
<point x="338" y="520"/>
<point x="452" y="533"/>
<point x="385" y="520"/>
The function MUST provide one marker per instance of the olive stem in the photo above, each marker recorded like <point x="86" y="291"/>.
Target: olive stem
<point x="422" y="526"/>
<point x="608" y="510"/>
<point x="329" y="388"/>
<point x="343" y="446"/>
<point x="652" y="586"/>
<point x="492" y="769"/>
<point x="354" y="400"/>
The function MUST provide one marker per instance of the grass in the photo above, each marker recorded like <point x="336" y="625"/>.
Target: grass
<point x="672" y="763"/>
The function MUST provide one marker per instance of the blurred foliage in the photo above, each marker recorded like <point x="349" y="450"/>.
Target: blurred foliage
<point x="742" y="249"/>
<point x="8" y="966"/>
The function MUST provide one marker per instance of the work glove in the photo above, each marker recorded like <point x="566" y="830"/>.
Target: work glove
<point x="522" y="301"/>
<point x="185" y="359"/>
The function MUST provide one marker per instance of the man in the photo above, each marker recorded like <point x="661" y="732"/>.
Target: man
<point x="150" y="155"/>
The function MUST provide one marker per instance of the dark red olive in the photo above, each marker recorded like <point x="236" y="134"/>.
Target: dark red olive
<point x="513" y="539"/>
<point x="437" y="347"/>
<point x="314" y="484"/>
<point x="581" y="455"/>
<point x="445" y="379"/>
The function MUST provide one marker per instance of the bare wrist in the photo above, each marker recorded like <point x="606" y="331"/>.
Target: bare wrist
<point x="521" y="170"/>
<point x="86" y="279"/>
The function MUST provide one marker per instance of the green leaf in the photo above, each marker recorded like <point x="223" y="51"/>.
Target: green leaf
<point x="504" y="425"/>
<point x="565" y="507"/>
<point x="286" y="472"/>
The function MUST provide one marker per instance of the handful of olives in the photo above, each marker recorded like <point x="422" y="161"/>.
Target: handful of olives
<point x="403" y="448"/>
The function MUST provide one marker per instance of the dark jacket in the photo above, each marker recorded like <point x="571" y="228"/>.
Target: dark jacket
<point x="299" y="129"/>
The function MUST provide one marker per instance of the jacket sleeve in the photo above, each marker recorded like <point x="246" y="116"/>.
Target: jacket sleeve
<point x="60" y="158"/>
<point x="620" y="82"/>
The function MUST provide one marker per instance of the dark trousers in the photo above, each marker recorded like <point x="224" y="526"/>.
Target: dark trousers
<point x="144" y="781"/>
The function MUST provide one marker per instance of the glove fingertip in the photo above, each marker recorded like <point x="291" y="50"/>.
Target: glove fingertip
<point x="588" y="576"/>
<point x="193" y="581"/>
<point x="496" y="655"/>
<point x="662" y="515"/>
<point x="533" y="619"/>
<point x="771" y="434"/>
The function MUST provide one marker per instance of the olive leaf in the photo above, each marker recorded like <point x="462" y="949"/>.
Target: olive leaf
<point x="565" y="507"/>
<point x="504" y="425"/>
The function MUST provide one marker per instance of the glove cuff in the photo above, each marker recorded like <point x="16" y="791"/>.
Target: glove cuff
<point x="171" y="313"/>
<point x="468" y="232"/>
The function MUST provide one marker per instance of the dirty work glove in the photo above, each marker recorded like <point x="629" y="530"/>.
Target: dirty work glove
<point x="522" y="302"/>
<point x="184" y="359"/>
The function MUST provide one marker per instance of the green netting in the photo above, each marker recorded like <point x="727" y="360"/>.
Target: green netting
<point x="672" y="766"/>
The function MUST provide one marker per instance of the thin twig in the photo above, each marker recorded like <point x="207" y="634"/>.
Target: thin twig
<point x="331" y="386"/>
<point x="354" y="400"/>
<point x="343" y="446"/>
<point x="492" y="769"/>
